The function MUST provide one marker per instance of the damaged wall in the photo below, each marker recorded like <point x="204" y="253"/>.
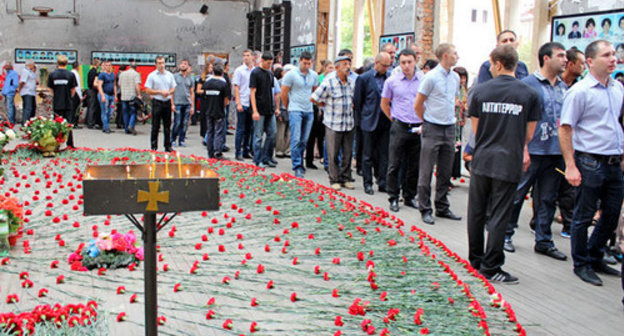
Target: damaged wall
<point x="303" y="22"/>
<point x="131" y="26"/>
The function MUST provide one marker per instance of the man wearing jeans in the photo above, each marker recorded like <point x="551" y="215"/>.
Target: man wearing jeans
<point x="130" y="86"/>
<point x="11" y="82"/>
<point x="184" y="99"/>
<point x="107" y="93"/>
<point x="261" y="85"/>
<point x="243" y="116"/>
<point x="161" y="85"/>
<point x="544" y="151"/>
<point x="28" y="90"/>
<point x="297" y="86"/>
<point x="592" y="144"/>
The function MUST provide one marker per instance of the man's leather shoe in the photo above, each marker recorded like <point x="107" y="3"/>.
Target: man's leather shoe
<point x="247" y="156"/>
<point x="448" y="214"/>
<point x="369" y="190"/>
<point x="239" y="158"/>
<point x="427" y="218"/>
<point x="604" y="268"/>
<point x="587" y="274"/>
<point x="394" y="205"/>
<point x="551" y="252"/>
<point x="382" y="189"/>
<point x="508" y="246"/>
<point x="412" y="203"/>
<point x="311" y="166"/>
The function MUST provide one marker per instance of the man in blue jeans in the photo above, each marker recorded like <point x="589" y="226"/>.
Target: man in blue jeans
<point x="297" y="86"/>
<point x="130" y="86"/>
<point x="107" y="93"/>
<point x="544" y="152"/>
<point x="243" y="115"/>
<point x="264" y="107"/>
<point x="184" y="100"/>
<point x="11" y="82"/>
<point x="592" y="144"/>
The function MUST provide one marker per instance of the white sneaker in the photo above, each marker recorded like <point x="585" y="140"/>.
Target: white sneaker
<point x="335" y="186"/>
<point x="348" y="185"/>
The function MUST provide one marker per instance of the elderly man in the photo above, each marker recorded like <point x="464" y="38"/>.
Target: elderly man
<point x="11" y="82"/>
<point x="335" y="95"/>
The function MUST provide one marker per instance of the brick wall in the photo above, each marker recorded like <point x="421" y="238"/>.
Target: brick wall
<point x="425" y="15"/>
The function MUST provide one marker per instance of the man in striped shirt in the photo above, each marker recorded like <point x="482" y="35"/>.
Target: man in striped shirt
<point x="335" y="95"/>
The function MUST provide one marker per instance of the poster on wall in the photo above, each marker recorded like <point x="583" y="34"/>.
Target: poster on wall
<point x="400" y="41"/>
<point x="43" y="56"/>
<point x="579" y="30"/>
<point x="141" y="58"/>
<point x="296" y="51"/>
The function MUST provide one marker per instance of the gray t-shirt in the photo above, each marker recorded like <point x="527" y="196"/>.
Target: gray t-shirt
<point x="182" y="94"/>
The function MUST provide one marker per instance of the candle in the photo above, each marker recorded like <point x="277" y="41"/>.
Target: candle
<point x="180" y="166"/>
<point x="188" y="172"/>
<point x="167" y="166"/>
<point x="202" y="173"/>
<point x="128" y="172"/>
<point x="153" y="168"/>
<point x="151" y="171"/>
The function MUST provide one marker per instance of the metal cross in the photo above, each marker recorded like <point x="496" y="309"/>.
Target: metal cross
<point x="153" y="196"/>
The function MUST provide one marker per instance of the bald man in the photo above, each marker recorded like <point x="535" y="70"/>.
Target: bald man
<point x="374" y="125"/>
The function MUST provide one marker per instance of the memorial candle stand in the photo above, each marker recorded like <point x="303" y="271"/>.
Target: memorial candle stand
<point x="149" y="189"/>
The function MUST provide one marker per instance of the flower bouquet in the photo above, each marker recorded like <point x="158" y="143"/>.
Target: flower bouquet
<point x="108" y="251"/>
<point x="11" y="221"/>
<point x="47" y="134"/>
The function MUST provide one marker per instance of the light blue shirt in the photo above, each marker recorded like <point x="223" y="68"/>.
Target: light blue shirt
<point x="241" y="79"/>
<point x="29" y="79"/>
<point x="592" y="110"/>
<point x="11" y="81"/>
<point x="300" y="89"/>
<point x="441" y="87"/>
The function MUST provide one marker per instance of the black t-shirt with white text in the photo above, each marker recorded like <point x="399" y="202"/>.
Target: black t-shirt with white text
<point x="262" y="81"/>
<point x="62" y="81"/>
<point x="213" y="100"/>
<point x="504" y="106"/>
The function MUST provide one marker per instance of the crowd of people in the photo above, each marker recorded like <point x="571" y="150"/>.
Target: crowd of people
<point x="555" y="133"/>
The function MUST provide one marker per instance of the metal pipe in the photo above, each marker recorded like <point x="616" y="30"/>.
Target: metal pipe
<point x="150" y="285"/>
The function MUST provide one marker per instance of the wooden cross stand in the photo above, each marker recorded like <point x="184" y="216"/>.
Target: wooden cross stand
<point x="149" y="190"/>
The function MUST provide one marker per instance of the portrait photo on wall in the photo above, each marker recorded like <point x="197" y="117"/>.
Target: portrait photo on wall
<point x="579" y="30"/>
<point x="43" y="56"/>
<point x="296" y="51"/>
<point x="400" y="41"/>
<point x="140" y="58"/>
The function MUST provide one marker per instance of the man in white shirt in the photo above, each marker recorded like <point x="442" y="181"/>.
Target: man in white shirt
<point x="28" y="89"/>
<point x="77" y="97"/>
<point x="160" y="84"/>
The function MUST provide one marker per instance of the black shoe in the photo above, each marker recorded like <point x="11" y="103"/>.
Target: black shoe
<point x="394" y="205"/>
<point x="280" y="155"/>
<point x="412" y="203"/>
<point x="239" y="158"/>
<point x="551" y="252"/>
<point x="270" y="164"/>
<point x="381" y="189"/>
<point x="508" y="246"/>
<point x="311" y="166"/>
<point x="225" y="149"/>
<point x="359" y="172"/>
<point x="169" y="149"/>
<point x="448" y="214"/>
<point x="90" y="126"/>
<point x="427" y="218"/>
<point x="587" y="274"/>
<point x="605" y="269"/>
<point x="369" y="190"/>
<point x="246" y="156"/>
<point x="502" y="277"/>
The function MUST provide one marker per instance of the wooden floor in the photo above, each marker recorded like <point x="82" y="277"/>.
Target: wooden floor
<point x="549" y="300"/>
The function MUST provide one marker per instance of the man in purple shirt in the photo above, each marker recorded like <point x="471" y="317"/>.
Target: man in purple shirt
<point x="401" y="89"/>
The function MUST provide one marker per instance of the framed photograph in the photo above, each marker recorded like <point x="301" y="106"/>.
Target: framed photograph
<point x="140" y="58"/>
<point x="400" y="41"/>
<point x="295" y="52"/>
<point x="43" y="56"/>
<point x="579" y="30"/>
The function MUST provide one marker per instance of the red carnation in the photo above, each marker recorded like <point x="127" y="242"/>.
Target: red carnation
<point x="228" y="323"/>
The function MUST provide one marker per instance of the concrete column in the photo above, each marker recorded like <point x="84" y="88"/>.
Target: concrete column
<point x="333" y="36"/>
<point x="358" y="32"/>
<point x="541" y="22"/>
<point x="512" y="15"/>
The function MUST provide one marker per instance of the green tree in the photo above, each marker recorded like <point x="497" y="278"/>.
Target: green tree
<point x="346" y="29"/>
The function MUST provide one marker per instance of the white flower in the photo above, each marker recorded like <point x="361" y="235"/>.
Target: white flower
<point x="11" y="134"/>
<point x="2" y="136"/>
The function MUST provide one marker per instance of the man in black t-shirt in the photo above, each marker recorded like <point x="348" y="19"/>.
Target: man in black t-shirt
<point x="62" y="84"/>
<point x="264" y="109"/>
<point x="216" y="95"/>
<point x="503" y="112"/>
<point x="93" y="105"/>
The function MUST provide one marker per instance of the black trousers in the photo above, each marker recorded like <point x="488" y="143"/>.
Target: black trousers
<point x="317" y="137"/>
<point x="488" y="196"/>
<point x="66" y="114"/>
<point x="375" y="153"/>
<point x="94" y="116"/>
<point x="161" y="110"/>
<point x="404" y="148"/>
